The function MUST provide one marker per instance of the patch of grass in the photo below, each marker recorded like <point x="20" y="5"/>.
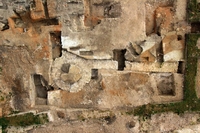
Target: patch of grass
<point x="1" y="98"/>
<point x="193" y="11"/>
<point x="23" y="120"/>
<point x="148" y="110"/>
<point x="189" y="84"/>
<point x="192" y="50"/>
<point x="3" y="123"/>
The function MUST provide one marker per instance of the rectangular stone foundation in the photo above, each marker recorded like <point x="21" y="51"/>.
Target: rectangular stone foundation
<point x="152" y="67"/>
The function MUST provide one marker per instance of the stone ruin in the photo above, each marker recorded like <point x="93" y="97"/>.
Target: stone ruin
<point x="92" y="53"/>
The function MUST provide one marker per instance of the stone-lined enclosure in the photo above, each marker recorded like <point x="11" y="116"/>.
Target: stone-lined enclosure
<point x="91" y="53"/>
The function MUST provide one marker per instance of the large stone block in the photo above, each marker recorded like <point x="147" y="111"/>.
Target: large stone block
<point x="151" y="48"/>
<point x="173" y="47"/>
<point x="152" y="67"/>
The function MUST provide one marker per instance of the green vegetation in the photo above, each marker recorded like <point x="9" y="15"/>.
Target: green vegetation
<point x="193" y="11"/>
<point x="81" y="118"/>
<point x="23" y="120"/>
<point x="190" y="101"/>
<point x="1" y="98"/>
<point x="14" y="112"/>
<point x="4" y="96"/>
